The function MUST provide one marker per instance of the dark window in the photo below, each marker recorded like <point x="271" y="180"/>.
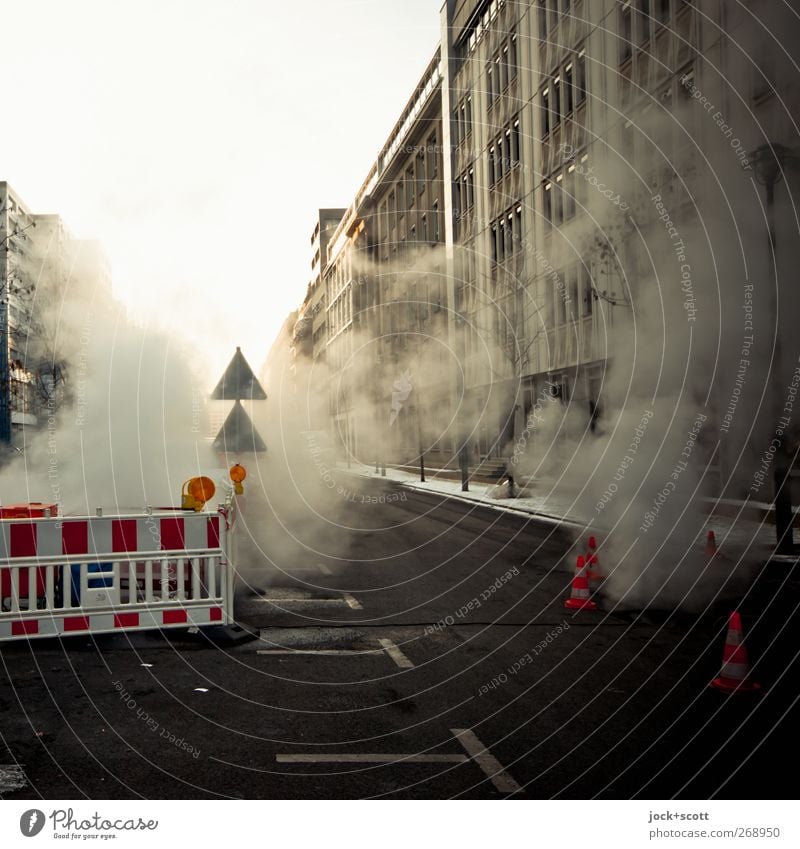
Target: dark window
<point x="512" y="58"/>
<point x="556" y="101"/>
<point x="662" y="11"/>
<point x="643" y="25"/>
<point x="625" y="46"/>
<point x="548" y="202"/>
<point x="580" y="93"/>
<point x="515" y="143"/>
<point x="542" y="20"/>
<point x="545" y="112"/>
<point x="435" y="213"/>
<point x="568" y="83"/>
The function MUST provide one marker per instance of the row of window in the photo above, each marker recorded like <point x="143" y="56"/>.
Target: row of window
<point x="501" y="69"/>
<point x="639" y="19"/>
<point x="504" y="152"/>
<point x="572" y="296"/>
<point x="549" y="12"/>
<point x="506" y="236"/>
<point x="464" y="192"/>
<point x="484" y="24"/>
<point x="566" y="90"/>
<point x="560" y="195"/>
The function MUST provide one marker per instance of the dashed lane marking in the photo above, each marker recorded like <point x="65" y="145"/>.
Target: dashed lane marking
<point x="346" y="652"/>
<point x="395" y="654"/>
<point x="281" y="603"/>
<point x="12" y="778"/>
<point x="486" y="761"/>
<point x="371" y="759"/>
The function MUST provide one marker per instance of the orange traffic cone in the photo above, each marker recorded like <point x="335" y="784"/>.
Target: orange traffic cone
<point x="579" y="598"/>
<point x="733" y="677"/>
<point x="711" y="544"/>
<point x="593" y="572"/>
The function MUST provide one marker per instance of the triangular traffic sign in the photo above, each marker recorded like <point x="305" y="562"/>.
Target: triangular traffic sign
<point x="238" y="435"/>
<point x="238" y="382"/>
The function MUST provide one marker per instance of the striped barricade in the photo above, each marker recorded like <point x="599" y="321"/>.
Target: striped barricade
<point x="61" y="576"/>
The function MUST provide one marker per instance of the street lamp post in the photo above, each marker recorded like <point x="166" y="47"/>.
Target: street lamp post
<point x="768" y="161"/>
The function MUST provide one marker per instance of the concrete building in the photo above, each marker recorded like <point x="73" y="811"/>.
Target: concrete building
<point x="594" y="158"/>
<point x="41" y="266"/>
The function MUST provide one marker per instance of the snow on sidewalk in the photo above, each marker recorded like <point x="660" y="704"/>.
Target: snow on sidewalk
<point x="741" y="536"/>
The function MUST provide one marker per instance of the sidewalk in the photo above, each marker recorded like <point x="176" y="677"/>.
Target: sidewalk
<point x="738" y="532"/>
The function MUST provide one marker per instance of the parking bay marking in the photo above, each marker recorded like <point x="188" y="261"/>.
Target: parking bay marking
<point x="387" y="647"/>
<point x="476" y="752"/>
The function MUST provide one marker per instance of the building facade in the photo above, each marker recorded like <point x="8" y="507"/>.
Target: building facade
<point x="41" y="268"/>
<point x="564" y="170"/>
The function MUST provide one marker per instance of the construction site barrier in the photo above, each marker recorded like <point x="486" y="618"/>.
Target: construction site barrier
<point x="105" y="574"/>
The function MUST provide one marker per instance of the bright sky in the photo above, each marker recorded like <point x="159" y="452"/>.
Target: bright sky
<point x="197" y="140"/>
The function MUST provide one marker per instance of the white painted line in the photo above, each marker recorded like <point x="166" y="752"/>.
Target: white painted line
<point x="486" y="761"/>
<point x="12" y="778"/>
<point x="324" y="569"/>
<point x="350" y="652"/>
<point x="371" y="759"/>
<point x="285" y="603"/>
<point x="352" y="602"/>
<point x="395" y="654"/>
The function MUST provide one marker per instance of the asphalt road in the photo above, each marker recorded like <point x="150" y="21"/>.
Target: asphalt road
<point x="409" y="648"/>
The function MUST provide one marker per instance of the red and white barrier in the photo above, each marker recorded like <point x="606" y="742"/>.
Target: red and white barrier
<point x="62" y="576"/>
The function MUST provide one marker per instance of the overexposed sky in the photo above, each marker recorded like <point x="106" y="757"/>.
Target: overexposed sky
<point x="196" y="141"/>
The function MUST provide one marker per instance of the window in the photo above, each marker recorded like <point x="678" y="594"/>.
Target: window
<point x="424" y="228"/>
<point x="490" y="83"/>
<point x="548" y="202"/>
<point x="470" y="181"/>
<point x="568" y="83"/>
<point x="435" y="214"/>
<point x="556" y="101"/>
<point x="662" y="11"/>
<point x="410" y="187"/>
<point x="560" y="299"/>
<point x="569" y="193"/>
<point x="502" y="64"/>
<point x="542" y="20"/>
<point x="588" y="292"/>
<point x="625" y="47"/>
<point x="580" y="93"/>
<point x="421" y="170"/>
<point x="457" y="127"/>
<point x="573" y="309"/>
<point x="515" y="143"/>
<point x="643" y="21"/>
<point x="433" y="158"/>
<point x="492" y="167"/>
<point x="494" y="242"/>
<point x="468" y="115"/>
<point x="512" y="58"/>
<point x="545" y="112"/>
<point x="392" y="211"/>
<point x="558" y="205"/>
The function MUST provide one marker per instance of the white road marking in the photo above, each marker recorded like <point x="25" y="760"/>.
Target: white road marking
<point x="371" y="759"/>
<point x="350" y="652"/>
<point x="324" y="569"/>
<point x="486" y="761"/>
<point x="320" y="567"/>
<point x="12" y="778"/>
<point x="286" y="603"/>
<point x="395" y="654"/>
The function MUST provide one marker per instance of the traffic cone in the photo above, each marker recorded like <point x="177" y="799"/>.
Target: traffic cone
<point x="733" y="677"/>
<point x="579" y="598"/>
<point x="711" y="544"/>
<point x="593" y="572"/>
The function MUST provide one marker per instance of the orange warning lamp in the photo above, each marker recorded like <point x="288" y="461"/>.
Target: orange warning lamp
<point x="238" y="474"/>
<point x="195" y="493"/>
